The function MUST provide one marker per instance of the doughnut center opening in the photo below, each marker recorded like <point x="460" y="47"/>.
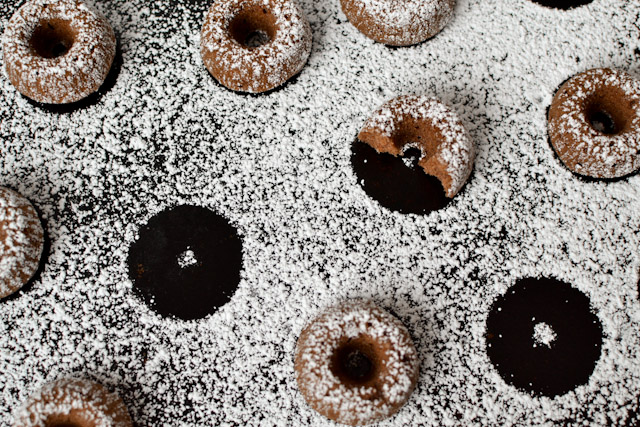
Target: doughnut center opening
<point x="607" y="113"/>
<point x="354" y="363"/>
<point x="253" y="27"/>
<point x="52" y="39"/>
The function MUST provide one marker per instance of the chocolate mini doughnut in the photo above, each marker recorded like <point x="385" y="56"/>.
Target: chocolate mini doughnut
<point x="73" y="402"/>
<point x="57" y="52"/>
<point x="356" y="364"/>
<point x="425" y="123"/>
<point x="21" y="241"/>
<point x="594" y="123"/>
<point x="255" y="45"/>
<point x="398" y="23"/>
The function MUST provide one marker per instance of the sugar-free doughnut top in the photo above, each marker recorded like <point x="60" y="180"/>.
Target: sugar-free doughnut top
<point x="594" y="123"/>
<point x="356" y="364"/>
<point x="398" y="22"/>
<point x="58" y="51"/>
<point x="21" y="241"/>
<point x="73" y="402"/>
<point x="427" y="124"/>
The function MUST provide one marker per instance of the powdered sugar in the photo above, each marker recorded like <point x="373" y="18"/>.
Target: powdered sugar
<point x="278" y="167"/>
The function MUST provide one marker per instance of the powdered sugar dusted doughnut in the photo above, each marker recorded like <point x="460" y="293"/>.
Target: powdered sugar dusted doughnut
<point x="255" y="45"/>
<point x="356" y="363"/>
<point x="21" y="241"/>
<point x="57" y="52"/>
<point x="73" y="402"/>
<point x="594" y="123"/>
<point x="398" y="23"/>
<point x="426" y="123"/>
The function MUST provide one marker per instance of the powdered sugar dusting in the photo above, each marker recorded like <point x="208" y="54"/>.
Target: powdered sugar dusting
<point x="400" y="22"/>
<point x="278" y="167"/>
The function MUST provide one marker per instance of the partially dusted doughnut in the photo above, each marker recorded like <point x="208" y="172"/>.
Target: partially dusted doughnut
<point x="255" y="45"/>
<point x="73" y="402"/>
<point x="356" y="364"/>
<point x="21" y="241"/>
<point x="425" y="123"/>
<point x="58" y="52"/>
<point x="398" y="23"/>
<point x="594" y="123"/>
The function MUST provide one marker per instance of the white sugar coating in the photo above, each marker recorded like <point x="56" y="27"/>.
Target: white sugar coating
<point x="69" y="77"/>
<point x="455" y="150"/>
<point x="275" y="61"/>
<point x="543" y="334"/>
<point x="395" y="378"/>
<point x="278" y="167"/>
<point x="187" y="258"/>
<point x="597" y="154"/>
<point x="401" y="22"/>
<point x="21" y="241"/>
<point x="99" y="408"/>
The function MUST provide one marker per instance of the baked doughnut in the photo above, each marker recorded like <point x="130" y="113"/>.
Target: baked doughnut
<point x="21" y="241"/>
<point x="425" y="123"/>
<point x="57" y="52"/>
<point x="255" y="45"/>
<point x="594" y="123"/>
<point x="398" y="23"/>
<point x="356" y="363"/>
<point x="73" y="402"/>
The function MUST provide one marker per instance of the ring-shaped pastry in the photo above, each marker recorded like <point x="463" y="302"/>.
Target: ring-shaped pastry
<point x="594" y="123"/>
<point x="58" y="52"/>
<point x="356" y="364"/>
<point x="255" y="45"/>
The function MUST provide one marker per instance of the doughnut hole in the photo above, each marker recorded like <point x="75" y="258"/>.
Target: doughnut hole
<point x="253" y="27"/>
<point x="607" y="112"/>
<point x="356" y="362"/>
<point x="52" y="39"/>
